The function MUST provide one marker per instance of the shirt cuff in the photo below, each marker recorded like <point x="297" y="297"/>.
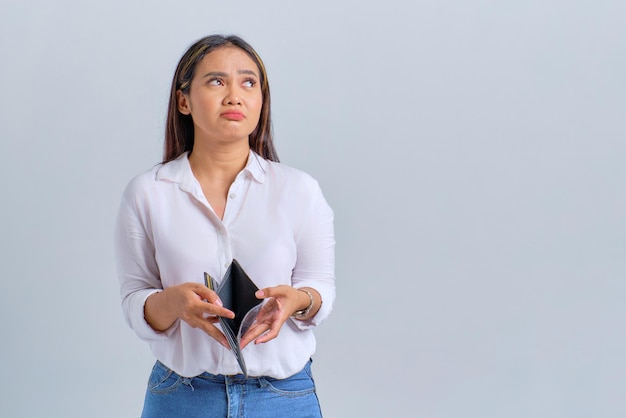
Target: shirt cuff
<point x="137" y="320"/>
<point x="328" y="299"/>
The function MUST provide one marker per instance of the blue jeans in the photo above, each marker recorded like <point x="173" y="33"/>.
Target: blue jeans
<point x="207" y="395"/>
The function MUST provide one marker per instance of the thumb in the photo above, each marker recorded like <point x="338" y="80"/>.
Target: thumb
<point x="273" y="292"/>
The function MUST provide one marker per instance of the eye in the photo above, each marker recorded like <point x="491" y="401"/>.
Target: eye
<point x="249" y="82"/>
<point x="215" y="82"/>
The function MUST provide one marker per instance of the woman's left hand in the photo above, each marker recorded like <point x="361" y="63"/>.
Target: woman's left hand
<point x="283" y="302"/>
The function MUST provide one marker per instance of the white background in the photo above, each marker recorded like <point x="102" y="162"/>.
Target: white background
<point x="473" y="152"/>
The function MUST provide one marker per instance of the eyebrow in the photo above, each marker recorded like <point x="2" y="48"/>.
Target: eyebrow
<point x="225" y="75"/>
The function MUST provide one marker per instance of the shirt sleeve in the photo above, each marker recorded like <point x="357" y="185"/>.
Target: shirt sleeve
<point x="137" y="268"/>
<point x="315" y="265"/>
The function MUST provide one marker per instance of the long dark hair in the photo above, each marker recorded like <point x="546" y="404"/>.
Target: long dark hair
<point x="179" y="127"/>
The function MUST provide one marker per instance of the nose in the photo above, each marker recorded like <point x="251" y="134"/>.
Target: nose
<point x="233" y="96"/>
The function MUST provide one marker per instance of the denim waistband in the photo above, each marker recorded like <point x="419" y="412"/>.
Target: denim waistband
<point x="230" y="378"/>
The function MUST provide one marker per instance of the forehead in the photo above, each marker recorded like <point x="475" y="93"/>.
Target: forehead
<point x="227" y="58"/>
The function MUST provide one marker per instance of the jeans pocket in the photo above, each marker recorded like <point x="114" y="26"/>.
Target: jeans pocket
<point x="300" y="384"/>
<point x="163" y="380"/>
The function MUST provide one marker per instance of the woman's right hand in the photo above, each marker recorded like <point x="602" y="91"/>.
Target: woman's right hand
<point x="193" y="303"/>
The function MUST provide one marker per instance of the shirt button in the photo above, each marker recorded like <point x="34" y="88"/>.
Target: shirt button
<point x="225" y="265"/>
<point x="233" y="195"/>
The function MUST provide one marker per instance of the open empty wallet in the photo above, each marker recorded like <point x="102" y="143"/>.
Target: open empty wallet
<point x="236" y="291"/>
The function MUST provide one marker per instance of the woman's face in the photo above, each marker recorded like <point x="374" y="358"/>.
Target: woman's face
<point x="224" y="98"/>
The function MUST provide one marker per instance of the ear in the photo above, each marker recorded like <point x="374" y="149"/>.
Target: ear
<point x="183" y="103"/>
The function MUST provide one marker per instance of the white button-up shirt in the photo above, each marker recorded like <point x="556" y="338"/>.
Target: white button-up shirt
<point x="277" y="224"/>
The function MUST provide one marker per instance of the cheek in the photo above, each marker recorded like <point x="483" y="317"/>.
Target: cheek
<point x="257" y="102"/>
<point x="258" y="105"/>
<point x="254" y="105"/>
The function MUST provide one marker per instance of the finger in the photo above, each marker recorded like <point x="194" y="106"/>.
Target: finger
<point x="211" y="318"/>
<point x="270" y="335"/>
<point x="215" y="305"/>
<point x="254" y="331"/>
<point x="252" y="335"/>
<point x="275" y="291"/>
<point x="212" y="309"/>
<point x="207" y="294"/>
<point x="270" y="292"/>
<point x="205" y="323"/>
<point x="214" y="332"/>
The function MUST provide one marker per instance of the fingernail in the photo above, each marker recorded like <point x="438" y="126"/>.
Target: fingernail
<point x="259" y="294"/>
<point x="218" y="302"/>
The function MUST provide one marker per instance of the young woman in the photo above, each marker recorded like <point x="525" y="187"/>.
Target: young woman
<point x="221" y="194"/>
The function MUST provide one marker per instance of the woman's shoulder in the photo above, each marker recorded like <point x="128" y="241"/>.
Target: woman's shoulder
<point x="290" y="174"/>
<point x="173" y="171"/>
<point x="298" y="187"/>
<point x="142" y="183"/>
<point x="298" y="184"/>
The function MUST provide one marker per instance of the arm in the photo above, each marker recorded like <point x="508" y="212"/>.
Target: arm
<point x="151" y="311"/>
<point x="314" y="271"/>
<point x="194" y="303"/>
<point x="315" y="266"/>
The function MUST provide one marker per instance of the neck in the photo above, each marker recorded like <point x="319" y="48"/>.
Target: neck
<point x="218" y="163"/>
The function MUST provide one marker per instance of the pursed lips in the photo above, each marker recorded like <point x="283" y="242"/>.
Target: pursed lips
<point x="232" y="115"/>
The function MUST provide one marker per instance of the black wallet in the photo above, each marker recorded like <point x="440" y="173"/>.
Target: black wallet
<point x="236" y="291"/>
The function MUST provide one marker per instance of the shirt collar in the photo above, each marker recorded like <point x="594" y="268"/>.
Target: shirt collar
<point x="179" y="170"/>
<point x="257" y="166"/>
